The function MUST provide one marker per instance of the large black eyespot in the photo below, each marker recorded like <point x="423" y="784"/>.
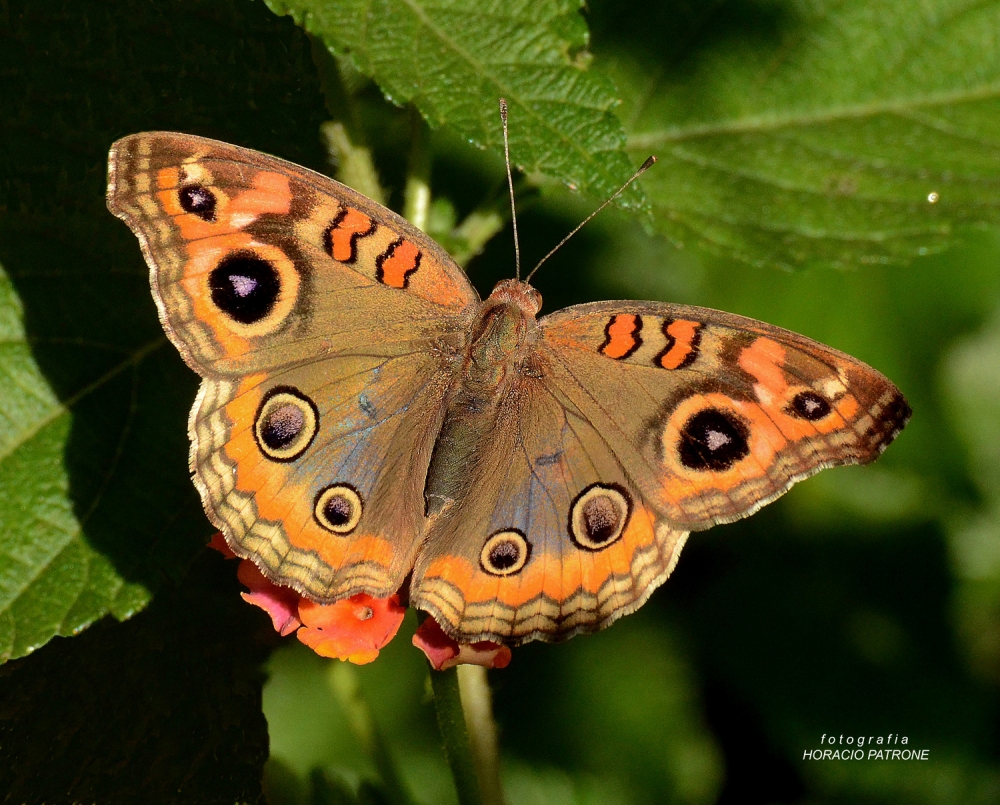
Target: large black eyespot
<point x="286" y="423"/>
<point x="198" y="200"/>
<point x="245" y="287"/>
<point x="713" y="440"/>
<point x="338" y="508"/>
<point x="505" y="553"/>
<point x="598" y="516"/>
<point x="809" y="405"/>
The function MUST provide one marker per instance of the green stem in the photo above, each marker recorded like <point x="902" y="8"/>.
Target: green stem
<point x="465" y="717"/>
<point x="344" y="681"/>
<point x="455" y="734"/>
<point x="474" y="232"/>
<point x="353" y="162"/>
<point x="417" y="196"/>
<point x="477" y="703"/>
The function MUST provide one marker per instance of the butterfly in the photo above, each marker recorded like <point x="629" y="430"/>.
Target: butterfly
<point x="366" y="423"/>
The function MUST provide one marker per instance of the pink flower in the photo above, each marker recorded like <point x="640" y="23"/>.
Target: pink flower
<point x="218" y="543"/>
<point x="356" y="628"/>
<point x="444" y="652"/>
<point x="281" y="603"/>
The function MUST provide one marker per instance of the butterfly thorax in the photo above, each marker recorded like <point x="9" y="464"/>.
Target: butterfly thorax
<point x="500" y="337"/>
<point x="500" y="345"/>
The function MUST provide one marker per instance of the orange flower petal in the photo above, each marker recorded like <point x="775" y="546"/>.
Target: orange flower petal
<point x="444" y="652"/>
<point x="354" y="629"/>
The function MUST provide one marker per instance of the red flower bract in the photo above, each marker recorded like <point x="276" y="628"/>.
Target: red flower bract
<point x="281" y="603"/>
<point x="444" y="652"/>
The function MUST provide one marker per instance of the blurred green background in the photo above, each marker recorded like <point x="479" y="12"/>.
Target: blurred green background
<point x="865" y="602"/>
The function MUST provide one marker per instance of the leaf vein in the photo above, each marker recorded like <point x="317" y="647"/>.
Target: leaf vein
<point x="64" y="407"/>
<point x="768" y="123"/>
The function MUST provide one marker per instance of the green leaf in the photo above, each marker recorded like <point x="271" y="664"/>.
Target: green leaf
<point x="96" y="504"/>
<point x="794" y="132"/>
<point x="164" y="708"/>
<point x="53" y="582"/>
<point x="453" y="59"/>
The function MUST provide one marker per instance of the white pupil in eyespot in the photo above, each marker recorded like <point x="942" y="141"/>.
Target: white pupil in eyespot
<point x="244" y="286"/>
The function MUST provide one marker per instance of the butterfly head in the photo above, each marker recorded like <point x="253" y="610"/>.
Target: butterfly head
<point x="518" y="293"/>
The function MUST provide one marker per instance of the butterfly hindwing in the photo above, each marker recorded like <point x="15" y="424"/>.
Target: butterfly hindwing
<point x="552" y="539"/>
<point x="315" y="471"/>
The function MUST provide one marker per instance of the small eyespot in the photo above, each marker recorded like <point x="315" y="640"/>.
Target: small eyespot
<point x="505" y="553"/>
<point x="198" y="200"/>
<point x="599" y="515"/>
<point x="713" y="440"/>
<point x="809" y="405"/>
<point x="286" y="423"/>
<point x="338" y="508"/>
<point x="245" y="287"/>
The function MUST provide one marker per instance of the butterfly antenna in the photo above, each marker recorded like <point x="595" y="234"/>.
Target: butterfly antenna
<point x="510" y="186"/>
<point x="645" y="167"/>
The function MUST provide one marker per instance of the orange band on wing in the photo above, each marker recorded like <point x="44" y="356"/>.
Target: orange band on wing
<point x="397" y="263"/>
<point x="682" y="343"/>
<point x="769" y="423"/>
<point x="169" y="179"/>
<point x="557" y="580"/>
<point x="205" y="255"/>
<point x="621" y="336"/>
<point x="764" y="360"/>
<point x="208" y="242"/>
<point x="342" y="235"/>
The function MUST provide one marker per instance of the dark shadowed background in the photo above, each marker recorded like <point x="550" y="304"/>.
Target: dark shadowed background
<point x="832" y="168"/>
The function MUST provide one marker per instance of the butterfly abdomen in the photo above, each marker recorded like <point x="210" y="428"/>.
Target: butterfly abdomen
<point x="501" y="340"/>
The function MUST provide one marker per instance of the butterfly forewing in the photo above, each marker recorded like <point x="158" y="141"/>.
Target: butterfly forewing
<point x="711" y="414"/>
<point x="258" y="263"/>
